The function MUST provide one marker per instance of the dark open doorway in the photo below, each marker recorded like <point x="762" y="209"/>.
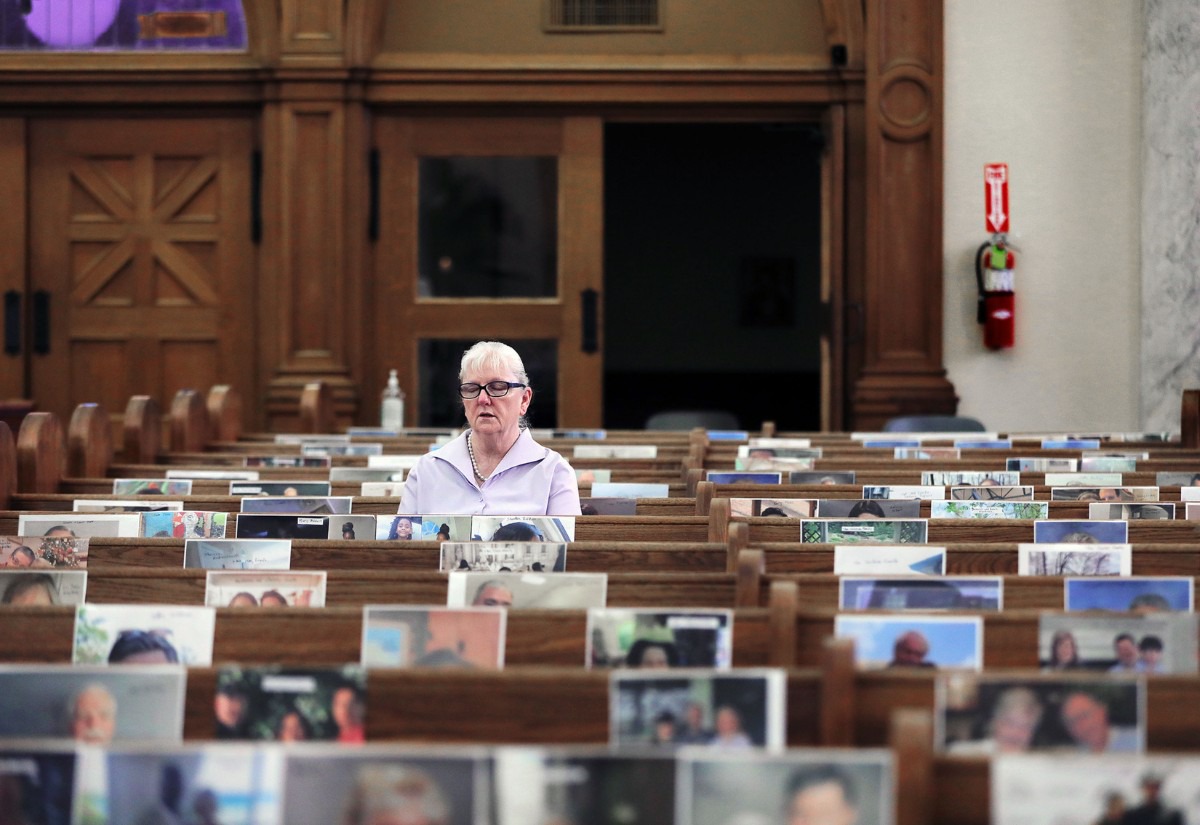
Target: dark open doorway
<point x="712" y="271"/>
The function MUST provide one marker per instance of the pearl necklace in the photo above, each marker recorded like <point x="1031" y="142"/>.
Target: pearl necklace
<point x="474" y="466"/>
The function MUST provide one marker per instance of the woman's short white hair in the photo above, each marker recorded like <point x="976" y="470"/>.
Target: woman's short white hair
<point x="492" y="357"/>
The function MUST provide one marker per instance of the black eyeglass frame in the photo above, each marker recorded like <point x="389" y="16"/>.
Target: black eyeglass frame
<point x="508" y="386"/>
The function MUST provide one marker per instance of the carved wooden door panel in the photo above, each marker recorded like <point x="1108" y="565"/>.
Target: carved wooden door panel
<point x="141" y="261"/>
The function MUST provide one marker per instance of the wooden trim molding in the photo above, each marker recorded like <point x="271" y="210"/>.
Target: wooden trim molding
<point x="903" y="371"/>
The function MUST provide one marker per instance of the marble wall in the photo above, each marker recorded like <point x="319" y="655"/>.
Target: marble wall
<point x="1170" y="340"/>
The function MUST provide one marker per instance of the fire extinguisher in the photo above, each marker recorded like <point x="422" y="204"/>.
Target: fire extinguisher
<point x="994" y="264"/>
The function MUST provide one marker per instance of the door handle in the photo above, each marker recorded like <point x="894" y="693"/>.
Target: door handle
<point x="12" y="322"/>
<point x="41" y="322"/>
<point x="589" y="306"/>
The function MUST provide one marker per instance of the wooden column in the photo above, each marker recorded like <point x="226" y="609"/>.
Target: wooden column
<point x="309" y="316"/>
<point x="902" y="369"/>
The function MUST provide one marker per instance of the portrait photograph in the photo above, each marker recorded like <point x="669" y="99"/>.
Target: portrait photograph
<point x="263" y="526"/>
<point x="290" y="462"/>
<point x="889" y="559"/>
<point x="729" y="711"/>
<point x="913" y="641"/>
<point x="307" y="489"/>
<point x="190" y="782"/>
<point x="927" y="453"/>
<point x="775" y="441"/>
<point x="185" y="524"/>
<point x="398" y="528"/>
<point x="1082" y="479"/>
<point x="587" y="476"/>
<point x="364" y="474"/>
<point x="800" y="785"/>
<point x="991" y="714"/>
<point x="60" y="549"/>
<point x="1107" y="464"/>
<point x="989" y="492"/>
<point x="352" y="528"/>
<point x="560" y="591"/>
<point x="1042" y="465"/>
<point x="627" y="489"/>
<point x="378" y="783"/>
<point x="523" y="528"/>
<point x="504" y="556"/>
<point x="725" y="477"/>
<point x="1025" y="510"/>
<point x="445" y="528"/>
<point x="826" y="477"/>
<point x="1026" y="789"/>
<point x="863" y="508"/>
<point x="433" y="637"/>
<point x="1074" y="531"/>
<point x="101" y="505"/>
<point x="1105" y="494"/>
<point x="228" y="588"/>
<point x="1169" y="479"/>
<point x="759" y="463"/>
<point x="1191" y="511"/>
<point x="777" y="451"/>
<point x="778" y="507"/>
<point x="603" y="451"/>
<point x="92" y="704"/>
<point x="917" y="492"/>
<point x="983" y="443"/>
<point x="381" y="489"/>
<point x="542" y="786"/>
<point x="890" y="443"/>
<point x="298" y="505"/>
<point x="237" y="554"/>
<point x="620" y="637"/>
<point x="1148" y="643"/>
<point x="1157" y="511"/>
<point x="861" y="531"/>
<point x="127" y="634"/>
<point x="1130" y="594"/>
<point x="152" y="487"/>
<point x="983" y="593"/>
<point x="89" y="525"/>
<point x="1070" y="443"/>
<point x="1066" y="559"/>
<point x="25" y="587"/>
<point x="592" y="506"/>
<point x="291" y="704"/>
<point x="330" y="450"/>
<point x="37" y="782"/>
<point x="946" y="478"/>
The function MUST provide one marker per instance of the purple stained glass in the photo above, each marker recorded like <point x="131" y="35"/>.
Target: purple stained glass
<point x="124" y="25"/>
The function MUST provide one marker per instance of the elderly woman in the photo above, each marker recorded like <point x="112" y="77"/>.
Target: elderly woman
<point x="495" y="467"/>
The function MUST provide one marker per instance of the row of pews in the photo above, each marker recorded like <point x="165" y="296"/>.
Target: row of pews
<point x="684" y="550"/>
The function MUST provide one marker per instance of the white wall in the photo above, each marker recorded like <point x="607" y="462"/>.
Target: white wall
<point x="1053" y="88"/>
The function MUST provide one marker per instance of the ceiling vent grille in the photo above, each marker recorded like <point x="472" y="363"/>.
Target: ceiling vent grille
<point x="606" y="15"/>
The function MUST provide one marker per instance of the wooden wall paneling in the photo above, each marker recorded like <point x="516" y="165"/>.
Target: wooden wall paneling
<point x="305" y="304"/>
<point x="903" y="372"/>
<point x="139" y="238"/>
<point x="844" y="26"/>
<point x="14" y="190"/>
<point x="311" y="29"/>
<point x="365" y="21"/>
<point x="369" y="377"/>
<point x="833" y="225"/>
<point x="581" y="254"/>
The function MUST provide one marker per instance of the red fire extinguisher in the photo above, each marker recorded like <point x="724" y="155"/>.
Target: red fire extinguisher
<point x="994" y="263"/>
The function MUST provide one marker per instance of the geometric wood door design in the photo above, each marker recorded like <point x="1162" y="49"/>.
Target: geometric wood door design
<point x="140" y="236"/>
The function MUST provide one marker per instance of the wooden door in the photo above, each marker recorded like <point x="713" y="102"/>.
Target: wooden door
<point x="141" y="259"/>
<point x="443" y="280"/>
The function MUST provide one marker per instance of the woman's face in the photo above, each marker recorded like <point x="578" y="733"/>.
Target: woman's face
<point x="291" y="729"/>
<point x="1064" y="649"/>
<point x="34" y="596"/>
<point x="495" y="416"/>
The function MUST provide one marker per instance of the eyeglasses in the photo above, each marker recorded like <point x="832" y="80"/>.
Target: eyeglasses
<point x="496" y="389"/>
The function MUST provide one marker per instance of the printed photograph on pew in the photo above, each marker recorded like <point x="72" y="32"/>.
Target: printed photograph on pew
<point x="228" y="588"/>
<point x="736" y="710"/>
<point x="395" y="636"/>
<point x="979" y="714"/>
<point x="659" y="639"/>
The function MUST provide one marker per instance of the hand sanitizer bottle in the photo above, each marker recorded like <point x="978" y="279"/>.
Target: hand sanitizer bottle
<point x="391" y="410"/>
